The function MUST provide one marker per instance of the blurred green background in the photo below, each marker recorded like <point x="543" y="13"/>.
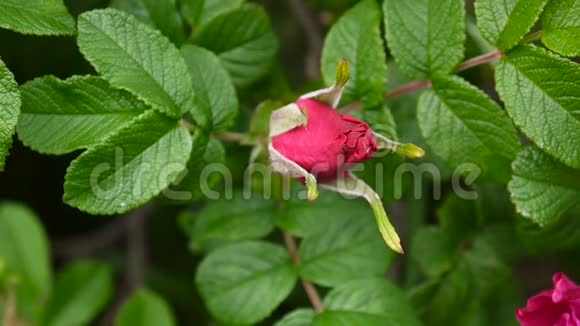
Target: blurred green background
<point x="36" y="179"/>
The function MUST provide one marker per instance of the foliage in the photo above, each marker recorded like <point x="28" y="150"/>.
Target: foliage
<point x="165" y="83"/>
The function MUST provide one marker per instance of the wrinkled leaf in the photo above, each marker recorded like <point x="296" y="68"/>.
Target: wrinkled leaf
<point x="213" y="87"/>
<point x="303" y="218"/>
<point x="561" y="23"/>
<point x="244" y="42"/>
<point x="203" y="173"/>
<point x="243" y="283"/>
<point x="374" y="296"/>
<point x="462" y="125"/>
<point x="347" y="249"/>
<point x="541" y="92"/>
<point x="505" y="22"/>
<point x="39" y="17"/>
<point x="161" y="14"/>
<point x="129" y="167"/>
<point x="59" y="116"/>
<point x="356" y="37"/>
<point x="225" y="220"/>
<point x="425" y="36"/>
<point x="541" y="188"/>
<point x="9" y="111"/>
<point x="201" y="12"/>
<point x="135" y="57"/>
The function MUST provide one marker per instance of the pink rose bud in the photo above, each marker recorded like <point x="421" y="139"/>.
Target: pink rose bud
<point x="558" y="307"/>
<point x="313" y="142"/>
<point x="329" y="144"/>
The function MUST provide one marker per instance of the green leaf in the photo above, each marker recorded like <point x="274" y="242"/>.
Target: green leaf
<point x="541" y="188"/>
<point x="135" y="57"/>
<point x="488" y="218"/>
<point x="561" y="23"/>
<point x="356" y="37"/>
<point x="59" y="117"/>
<point x="375" y="296"/>
<point x="298" y="317"/>
<point x="347" y="318"/>
<point x="24" y="250"/>
<point x="472" y="315"/>
<point x="460" y="269"/>
<point x="346" y="249"/>
<point x="462" y="124"/>
<point x="541" y="94"/>
<point x="145" y="308"/>
<point x="243" y="283"/>
<point x="232" y="219"/>
<point x="161" y="14"/>
<point x="493" y="204"/>
<point x="505" y="22"/>
<point x="260" y="122"/>
<point x="425" y="36"/>
<point x="213" y="87"/>
<point x="201" y="12"/>
<point x="9" y="110"/>
<point x="304" y="218"/>
<point x="244" y="42"/>
<point x="40" y="17"/>
<point x="380" y="174"/>
<point x="476" y="41"/>
<point x="203" y="174"/>
<point x="451" y="295"/>
<point x="500" y="308"/>
<point x="487" y="268"/>
<point x="353" y="186"/>
<point x="129" y="167"/>
<point x="82" y="290"/>
<point x="432" y="250"/>
<point x="564" y="234"/>
<point x="460" y="217"/>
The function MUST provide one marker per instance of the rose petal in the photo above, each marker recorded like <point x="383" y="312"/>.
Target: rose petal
<point x="564" y="320"/>
<point x="541" y="310"/>
<point x="329" y="144"/>
<point x="564" y="288"/>
<point x="575" y="308"/>
<point x="540" y="300"/>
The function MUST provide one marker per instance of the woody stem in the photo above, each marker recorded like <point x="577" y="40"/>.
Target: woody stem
<point x="423" y="84"/>
<point x="311" y="291"/>
<point x="477" y="61"/>
<point x="234" y="137"/>
<point x="468" y="64"/>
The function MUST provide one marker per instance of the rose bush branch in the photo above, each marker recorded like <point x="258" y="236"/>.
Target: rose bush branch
<point x="310" y="289"/>
<point x="88" y="244"/>
<point x="479" y="60"/>
<point x="424" y="84"/>
<point x="233" y="137"/>
<point x="314" y="37"/>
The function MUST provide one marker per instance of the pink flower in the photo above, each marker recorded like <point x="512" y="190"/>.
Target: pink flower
<point x="557" y="307"/>
<point x="329" y="144"/>
<point x="311" y="141"/>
